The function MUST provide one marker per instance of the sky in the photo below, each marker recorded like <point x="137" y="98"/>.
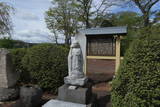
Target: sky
<point x="28" y="19"/>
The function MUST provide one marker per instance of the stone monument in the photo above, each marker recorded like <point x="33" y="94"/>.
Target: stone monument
<point x="8" y="78"/>
<point x="77" y="91"/>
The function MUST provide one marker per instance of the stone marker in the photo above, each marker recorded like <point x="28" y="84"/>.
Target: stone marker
<point x="80" y="95"/>
<point x="8" y="78"/>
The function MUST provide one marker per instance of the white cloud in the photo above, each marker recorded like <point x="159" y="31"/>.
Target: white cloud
<point x="26" y="15"/>
<point x="36" y="36"/>
<point x="29" y="16"/>
<point x="32" y="36"/>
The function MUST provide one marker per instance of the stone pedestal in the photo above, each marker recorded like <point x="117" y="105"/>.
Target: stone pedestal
<point x="75" y="81"/>
<point x="30" y="96"/>
<point x="81" y="95"/>
<point x="58" y="103"/>
<point x="69" y="96"/>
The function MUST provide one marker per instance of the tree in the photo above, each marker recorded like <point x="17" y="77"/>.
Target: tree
<point x="67" y="16"/>
<point x="157" y="17"/>
<point x="85" y="8"/>
<point x="93" y="13"/>
<point x="128" y="18"/>
<point x="145" y="7"/>
<point x="62" y="18"/>
<point x="5" y="19"/>
<point x="51" y="26"/>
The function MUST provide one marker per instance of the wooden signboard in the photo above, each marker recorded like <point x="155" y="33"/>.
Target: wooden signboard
<point x="101" y="46"/>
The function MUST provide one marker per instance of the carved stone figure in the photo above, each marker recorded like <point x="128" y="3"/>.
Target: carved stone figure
<point x="75" y="66"/>
<point x="75" y="61"/>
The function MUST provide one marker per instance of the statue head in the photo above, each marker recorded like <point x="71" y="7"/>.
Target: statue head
<point x="75" y="44"/>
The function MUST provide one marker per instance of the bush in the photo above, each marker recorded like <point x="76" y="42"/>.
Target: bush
<point x="6" y="43"/>
<point x="137" y="83"/>
<point x="17" y="56"/>
<point x="47" y="65"/>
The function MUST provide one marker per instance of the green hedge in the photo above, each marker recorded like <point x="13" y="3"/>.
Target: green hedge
<point x="47" y="65"/>
<point x="17" y="56"/>
<point x="137" y="83"/>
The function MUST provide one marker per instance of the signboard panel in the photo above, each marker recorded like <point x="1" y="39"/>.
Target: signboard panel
<point x="100" y="46"/>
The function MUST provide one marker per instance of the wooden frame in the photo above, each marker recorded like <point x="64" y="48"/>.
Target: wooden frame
<point x="103" y="57"/>
<point x="118" y="56"/>
<point x="117" y="33"/>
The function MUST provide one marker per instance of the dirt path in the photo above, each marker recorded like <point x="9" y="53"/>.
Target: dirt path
<point x="101" y="72"/>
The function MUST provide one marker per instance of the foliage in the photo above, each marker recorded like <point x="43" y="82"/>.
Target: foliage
<point x="155" y="29"/>
<point x="137" y="83"/>
<point x="10" y="44"/>
<point x="47" y="64"/>
<point x="5" y="20"/>
<point x="62" y="18"/>
<point x="17" y="56"/>
<point x="67" y="16"/>
<point x="126" y="18"/>
<point x="6" y="43"/>
<point x="145" y="6"/>
<point x="130" y="19"/>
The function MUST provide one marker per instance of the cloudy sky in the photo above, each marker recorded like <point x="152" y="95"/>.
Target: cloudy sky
<point x="28" y="20"/>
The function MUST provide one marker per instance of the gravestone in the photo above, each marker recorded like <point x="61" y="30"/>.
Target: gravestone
<point x="77" y="91"/>
<point x="8" y="78"/>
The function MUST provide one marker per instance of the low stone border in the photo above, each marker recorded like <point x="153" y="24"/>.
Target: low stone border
<point x="8" y="94"/>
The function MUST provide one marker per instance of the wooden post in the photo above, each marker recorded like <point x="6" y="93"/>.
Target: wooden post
<point x="118" y="56"/>
<point x="86" y="67"/>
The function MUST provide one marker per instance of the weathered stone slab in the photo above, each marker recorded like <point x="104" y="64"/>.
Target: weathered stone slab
<point x="80" y="95"/>
<point x="8" y="78"/>
<point x="30" y="96"/>
<point x="58" y="103"/>
<point x="7" y="94"/>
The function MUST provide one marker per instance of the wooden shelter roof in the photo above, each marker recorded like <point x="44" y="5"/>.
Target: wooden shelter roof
<point x="121" y="30"/>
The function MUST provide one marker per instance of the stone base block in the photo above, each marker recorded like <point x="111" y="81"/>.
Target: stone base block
<point x="79" y="95"/>
<point x="8" y="94"/>
<point x="58" y="103"/>
<point x="75" y="81"/>
<point x="30" y="95"/>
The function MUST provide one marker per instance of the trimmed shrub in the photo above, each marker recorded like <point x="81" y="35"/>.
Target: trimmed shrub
<point x="17" y="56"/>
<point x="47" y="64"/>
<point x="137" y="83"/>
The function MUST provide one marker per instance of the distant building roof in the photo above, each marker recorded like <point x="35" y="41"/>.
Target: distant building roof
<point x="105" y="31"/>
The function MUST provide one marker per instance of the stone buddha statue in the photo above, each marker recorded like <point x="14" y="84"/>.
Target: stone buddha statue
<point x="75" y="66"/>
